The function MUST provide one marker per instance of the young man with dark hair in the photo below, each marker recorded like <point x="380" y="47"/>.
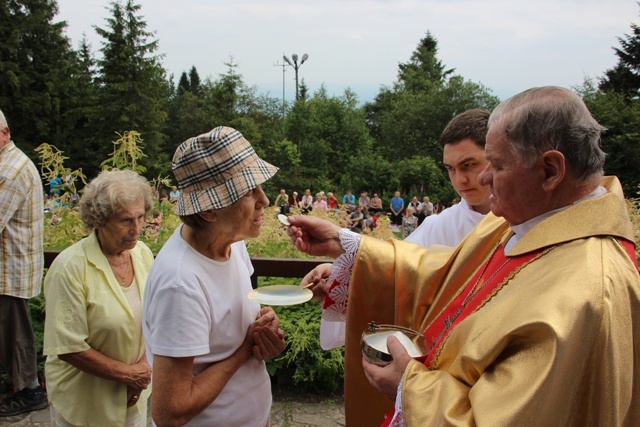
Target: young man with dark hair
<point x="463" y="143"/>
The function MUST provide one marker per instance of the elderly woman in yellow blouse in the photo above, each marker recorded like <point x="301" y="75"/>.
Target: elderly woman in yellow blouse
<point x="96" y="370"/>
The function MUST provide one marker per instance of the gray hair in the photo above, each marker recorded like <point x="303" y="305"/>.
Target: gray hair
<point x="552" y="118"/>
<point x="110" y="193"/>
<point x="3" y="123"/>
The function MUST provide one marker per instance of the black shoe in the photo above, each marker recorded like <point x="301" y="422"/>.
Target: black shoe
<point x="5" y="387"/>
<point x="26" y="400"/>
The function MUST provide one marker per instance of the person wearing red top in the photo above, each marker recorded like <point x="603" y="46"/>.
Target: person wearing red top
<point x="294" y="201"/>
<point x="332" y="201"/>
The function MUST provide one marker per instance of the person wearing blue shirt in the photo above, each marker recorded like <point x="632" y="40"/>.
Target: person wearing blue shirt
<point x="397" y="206"/>
<point x="174" y="194"/>
<point x="54" y="185"/>
<point x="350" y="200"/>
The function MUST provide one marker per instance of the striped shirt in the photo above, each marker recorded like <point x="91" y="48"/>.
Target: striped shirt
<point x="21" y="224"/>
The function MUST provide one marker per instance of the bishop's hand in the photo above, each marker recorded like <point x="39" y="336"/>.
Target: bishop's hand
<point x="387" y="378"/>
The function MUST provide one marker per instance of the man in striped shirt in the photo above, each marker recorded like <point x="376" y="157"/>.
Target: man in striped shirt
<point x="21" y="267"/>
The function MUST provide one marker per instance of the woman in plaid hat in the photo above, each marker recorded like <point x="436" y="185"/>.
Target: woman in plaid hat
<point x="206" y="341"/>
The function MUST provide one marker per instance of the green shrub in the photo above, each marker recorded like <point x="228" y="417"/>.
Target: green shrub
<point x="36" y="308"/>
<point x="311" y="367"/>
<point x="314" y="368"/>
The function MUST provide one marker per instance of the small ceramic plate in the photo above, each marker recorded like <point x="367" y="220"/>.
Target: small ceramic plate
<point x="280" y="295"/>
<point x="283" y="219"/>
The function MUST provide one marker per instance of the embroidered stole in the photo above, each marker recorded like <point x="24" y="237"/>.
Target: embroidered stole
<point x="480" y="289"/>
<point x="498" y="270"/>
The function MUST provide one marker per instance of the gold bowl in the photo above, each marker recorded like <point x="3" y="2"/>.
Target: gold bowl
<point x="374" y="343"/>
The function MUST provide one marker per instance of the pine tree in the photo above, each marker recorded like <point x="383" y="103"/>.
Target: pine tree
<point x="35" y="62"/>
<point x="189" y="113"/>
<point x="424" y="68"/>
<point x="80" y="141"/>
<point x="224" y="96"/>
<point x="407" y="120"/>
<point x="624" y="78"/>
<point x="132" y="87"/>
<point x="194" y="81"/>
<point x="183" y="84"/>
<point x="304" y="90"/>
<point x="189" y="83"/>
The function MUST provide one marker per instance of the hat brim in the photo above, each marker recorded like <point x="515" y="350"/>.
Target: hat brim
<point x="227" y="193"/>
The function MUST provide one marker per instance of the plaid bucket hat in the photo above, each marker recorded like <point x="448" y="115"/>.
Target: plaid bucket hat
<point x="216" y="169"/>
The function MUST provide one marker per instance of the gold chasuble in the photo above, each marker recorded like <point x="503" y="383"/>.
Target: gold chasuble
<point x="556" y="343"/>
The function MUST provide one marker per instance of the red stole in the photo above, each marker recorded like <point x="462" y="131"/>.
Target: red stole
<point x="630" y="247"/>
<point x="485" y="283"/>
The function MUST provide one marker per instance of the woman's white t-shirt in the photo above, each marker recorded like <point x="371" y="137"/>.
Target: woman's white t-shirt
<point x="195" y="306"/>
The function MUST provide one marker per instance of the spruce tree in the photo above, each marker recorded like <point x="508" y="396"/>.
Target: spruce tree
<point x="80" y="140"/>
<point x="183" y="84"/>
<point x="132" y="89"/>
<point x="407" y="119"/>
<point x="424" y="69"/>
<point x="624" y="78"/>
<point x="194" y="81"/>
<point x="35" y="61"/>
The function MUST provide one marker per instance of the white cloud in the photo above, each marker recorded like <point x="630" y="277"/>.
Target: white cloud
<point x="506" y="45"/>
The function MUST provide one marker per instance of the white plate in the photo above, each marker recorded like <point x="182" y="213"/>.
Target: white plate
<point x="280" y="295"/>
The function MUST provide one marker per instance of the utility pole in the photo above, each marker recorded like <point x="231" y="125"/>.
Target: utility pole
<point x="284" y="70"/>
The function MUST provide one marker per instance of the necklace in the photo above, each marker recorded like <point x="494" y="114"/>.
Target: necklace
<point x="123" y="277"/>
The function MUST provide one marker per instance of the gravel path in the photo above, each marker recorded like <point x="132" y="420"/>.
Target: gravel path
<point x="285" y="412"/>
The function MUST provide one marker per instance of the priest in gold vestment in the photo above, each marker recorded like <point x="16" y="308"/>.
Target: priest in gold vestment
<point x="534" y="319"/>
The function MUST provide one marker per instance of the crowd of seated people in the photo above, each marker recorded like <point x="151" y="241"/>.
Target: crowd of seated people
<point x="361" y="213"/>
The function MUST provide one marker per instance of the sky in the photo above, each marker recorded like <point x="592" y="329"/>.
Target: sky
<point x="506" y="45"/>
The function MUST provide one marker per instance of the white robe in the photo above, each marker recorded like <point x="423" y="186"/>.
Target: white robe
<point x="448" y="228"/>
